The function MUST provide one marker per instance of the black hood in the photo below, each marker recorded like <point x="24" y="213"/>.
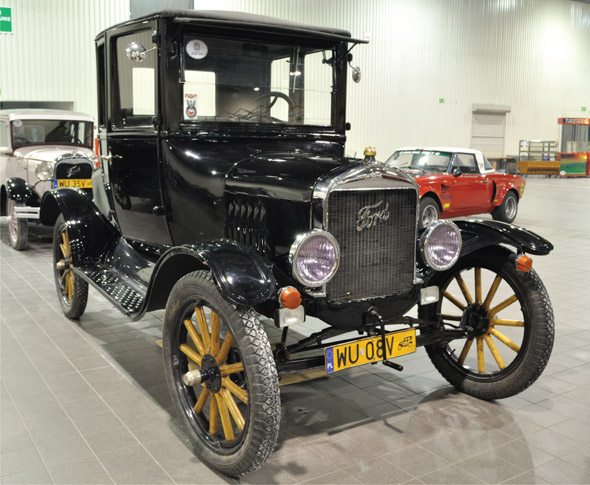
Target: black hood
<point x="286" y="176"/>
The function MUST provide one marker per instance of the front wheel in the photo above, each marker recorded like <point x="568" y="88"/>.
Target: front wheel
<point x="508" y="316"/>
<point x="72" y="290"/>
<point x="18" y="229"/>
<point x="508" y="210"/>
<point x="221" y="375"/>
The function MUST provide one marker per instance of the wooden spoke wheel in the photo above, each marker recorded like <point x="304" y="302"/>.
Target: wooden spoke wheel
<point x="509" y="320"/>
<point x="72" y="290"/>
<point x="221" y="375"/>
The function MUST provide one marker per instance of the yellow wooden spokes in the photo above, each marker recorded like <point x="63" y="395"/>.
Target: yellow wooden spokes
<point x="222" y="406"/>
<point x="494" y="320"/>
<point x="454" y="300"/>
<point x="464" y="289"/>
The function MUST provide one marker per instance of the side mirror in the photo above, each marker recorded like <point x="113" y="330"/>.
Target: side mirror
<point x="457" y="172"/>
<point x="136" y="52"/>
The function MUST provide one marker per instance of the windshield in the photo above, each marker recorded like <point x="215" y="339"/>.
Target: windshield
<point x="232" y="80"/>
<point x="54" y="132"/>
<point x="425" y="161"/>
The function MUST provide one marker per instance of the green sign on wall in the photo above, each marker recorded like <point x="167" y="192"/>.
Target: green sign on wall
<point x="6" y="20"/>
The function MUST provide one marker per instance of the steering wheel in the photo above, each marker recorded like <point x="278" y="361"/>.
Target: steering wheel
<point x="273" y="97"/>
<point x="71" y="139"/>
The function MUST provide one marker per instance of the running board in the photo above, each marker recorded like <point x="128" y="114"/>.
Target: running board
<point x="126" y="294"/>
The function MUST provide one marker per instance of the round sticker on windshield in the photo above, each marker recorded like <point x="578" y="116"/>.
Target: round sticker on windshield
<point x="17" y="123"/>
<point x="197" y="49"/>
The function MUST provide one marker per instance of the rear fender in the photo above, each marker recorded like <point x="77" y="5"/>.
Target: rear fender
<point x="481" y="233"/>
<point x="241" y="274"/>
<point x="19" y="190"/>
<point x="90" y="233"/>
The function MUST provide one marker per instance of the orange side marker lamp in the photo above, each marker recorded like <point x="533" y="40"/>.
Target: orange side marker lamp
<point x="290" y="298"/>
<point x="524" y="263"/>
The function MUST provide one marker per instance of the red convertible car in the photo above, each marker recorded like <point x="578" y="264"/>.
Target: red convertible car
<point x="459" y="182"/>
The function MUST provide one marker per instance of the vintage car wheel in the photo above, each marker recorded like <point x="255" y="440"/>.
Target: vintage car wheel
<point x="508" y="210"/>
<point x="511" y="322"/>
<point x="429" y="212"/>
<point x="18" y="229"/>
<point x="233" y="415"/>
<point x="72" y="290"/>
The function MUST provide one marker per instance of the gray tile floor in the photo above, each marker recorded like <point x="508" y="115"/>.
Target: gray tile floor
<point x="86" y="402"/>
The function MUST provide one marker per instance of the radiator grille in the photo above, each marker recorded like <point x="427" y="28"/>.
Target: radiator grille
<point x="379" y="260"/>
<point x="71" y="170"/>
<point x="246" y="223"/>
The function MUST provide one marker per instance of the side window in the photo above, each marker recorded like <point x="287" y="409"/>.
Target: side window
<point x="135" y="83"/>
<point x="466" y="163"/>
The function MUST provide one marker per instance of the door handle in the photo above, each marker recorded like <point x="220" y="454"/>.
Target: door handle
<point x="159" y="210"/>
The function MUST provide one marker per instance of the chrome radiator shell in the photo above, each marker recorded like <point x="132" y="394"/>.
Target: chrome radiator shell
<point x="378" y="260"/>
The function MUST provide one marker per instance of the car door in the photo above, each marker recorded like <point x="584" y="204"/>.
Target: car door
<point x="471" y="188"/>
<point x="133" y="159"/>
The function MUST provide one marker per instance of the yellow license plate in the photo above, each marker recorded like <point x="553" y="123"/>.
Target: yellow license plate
<point x="359" y="352"/>
<point x="80" y="183"/>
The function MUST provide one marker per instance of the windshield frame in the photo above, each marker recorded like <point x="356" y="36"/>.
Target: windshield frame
<point x="337" y="87"/>
<point x="88" y="131"/>
<point x="393" y="160"/>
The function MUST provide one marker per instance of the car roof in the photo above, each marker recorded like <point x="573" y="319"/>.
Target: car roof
<point x="441" y="149"/>
<point x="237" y="20"/>
<point x="43" y="114"/>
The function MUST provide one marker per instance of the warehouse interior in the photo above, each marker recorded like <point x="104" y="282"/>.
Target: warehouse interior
<point x="86" y="401"/>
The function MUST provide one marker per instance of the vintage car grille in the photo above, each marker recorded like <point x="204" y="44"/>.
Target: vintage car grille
<point x="246" y="223"/>
<point x="71" y="169"/>
<point x="378" y="260"/>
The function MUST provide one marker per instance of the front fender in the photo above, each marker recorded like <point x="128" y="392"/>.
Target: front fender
<point x="241" y="274"/>
<point x="19" y="190"/>
<point x="477" y="234"/>
<point x="91" y="234"/>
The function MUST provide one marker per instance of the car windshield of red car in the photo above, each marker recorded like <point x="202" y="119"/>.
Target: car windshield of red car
<point x="425" y="161"/>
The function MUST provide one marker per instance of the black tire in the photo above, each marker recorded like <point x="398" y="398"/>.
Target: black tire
<point x="18" y="229"/>
<point x="527" y="332"/>
<point x="241" y="450"/>
<point x="507" y="211"/>
<point x="429" y="212"/>
<point x="72" y="290"/>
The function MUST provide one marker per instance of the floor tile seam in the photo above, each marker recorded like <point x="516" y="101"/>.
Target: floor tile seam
<point x="100" y="397"/>
<point x="414" y="476"/>
<point x="67" y="415"/>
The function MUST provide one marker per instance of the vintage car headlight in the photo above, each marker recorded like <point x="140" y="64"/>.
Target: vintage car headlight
<point x="440" y="245"/>
<point x="44" y="171"/>
<point x="314" y="257"/>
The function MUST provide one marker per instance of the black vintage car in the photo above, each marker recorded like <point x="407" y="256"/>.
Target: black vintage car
<point x="224" y="195"/>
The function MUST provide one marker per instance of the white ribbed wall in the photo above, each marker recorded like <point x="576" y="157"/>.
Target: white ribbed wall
<point x="530" y="54"/>
<point x="50" y="56"/>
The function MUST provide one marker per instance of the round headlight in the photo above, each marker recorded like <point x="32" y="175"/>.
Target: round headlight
<point x="440" y="245"/>
<point x="315" y="256"/>
<point x="44" y="171"/>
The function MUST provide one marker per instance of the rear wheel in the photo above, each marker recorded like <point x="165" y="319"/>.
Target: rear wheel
<point x="18" y="229"/>
<point x="221" y="376"/>
<point x="72" y="290"/>
<point x="508" y="210"/>
<point x="510" y="324"/>
<point x="429" y="212"/>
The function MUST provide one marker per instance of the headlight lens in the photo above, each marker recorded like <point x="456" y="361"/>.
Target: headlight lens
<point x="315" y="256"/>
<point x="44" y="171"/>
<point x="440" y="245"/>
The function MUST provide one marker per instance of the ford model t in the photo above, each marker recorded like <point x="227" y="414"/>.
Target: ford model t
<point x="224" y="196"/>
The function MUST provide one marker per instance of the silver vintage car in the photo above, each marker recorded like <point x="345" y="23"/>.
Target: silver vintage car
<point x="41" y="150"/>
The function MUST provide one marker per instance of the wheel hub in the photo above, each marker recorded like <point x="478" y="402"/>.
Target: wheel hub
<point x="211" y="373"/>
<point x="475" y="320"/>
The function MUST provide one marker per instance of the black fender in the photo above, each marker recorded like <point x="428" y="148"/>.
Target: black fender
<point x="242" y="275"/>
<point x="91" y="234"/>
<point x="477" y="234"/>
<point x="19" y="190"/>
